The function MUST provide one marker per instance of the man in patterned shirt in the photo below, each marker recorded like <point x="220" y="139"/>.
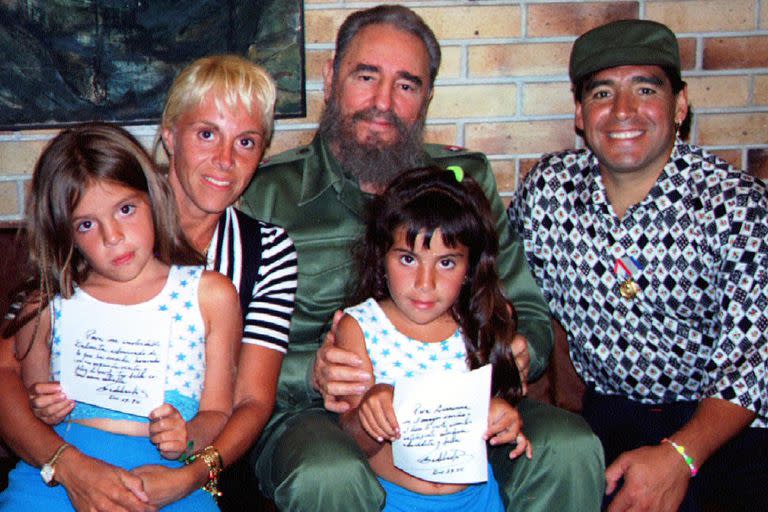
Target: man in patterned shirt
<point x="653" y="254"/>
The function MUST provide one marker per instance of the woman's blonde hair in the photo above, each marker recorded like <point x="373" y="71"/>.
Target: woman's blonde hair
<point x="233" y="79"/>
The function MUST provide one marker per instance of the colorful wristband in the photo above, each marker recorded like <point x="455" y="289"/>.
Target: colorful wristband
<point x="681" y="450"/>
<point x="211" y="457"/>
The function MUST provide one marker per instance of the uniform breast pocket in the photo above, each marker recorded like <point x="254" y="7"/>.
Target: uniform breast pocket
<point x="326" y="273"/>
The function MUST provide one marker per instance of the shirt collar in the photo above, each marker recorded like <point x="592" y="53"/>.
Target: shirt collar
<point x="594" y="182"/>
<point x="326" y="172"/>
<point x="315" y="180"/>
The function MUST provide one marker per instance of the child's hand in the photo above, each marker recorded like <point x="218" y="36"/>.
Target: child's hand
<point x="377" y="416"/>
<point x="49" y="403"/>
<point x="168" y="431"/>
<point x="505" y="426"/>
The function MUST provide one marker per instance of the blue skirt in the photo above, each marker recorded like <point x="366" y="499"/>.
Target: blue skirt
<point x="482" y="497"/>
<point x="27" y="491"/>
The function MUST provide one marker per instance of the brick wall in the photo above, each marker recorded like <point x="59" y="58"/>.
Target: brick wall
<point x="503" y="86"/>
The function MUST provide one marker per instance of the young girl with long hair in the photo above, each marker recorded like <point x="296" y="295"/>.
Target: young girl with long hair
<point x="429" y="298"/>
<point x="104" y="236"/>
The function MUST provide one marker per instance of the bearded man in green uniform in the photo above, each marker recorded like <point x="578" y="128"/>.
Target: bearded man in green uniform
<point x="377" y="90"/>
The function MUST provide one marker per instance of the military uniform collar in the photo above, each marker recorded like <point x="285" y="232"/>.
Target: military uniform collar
<point x="315" y="181"/>
<point x="325" y="172"/>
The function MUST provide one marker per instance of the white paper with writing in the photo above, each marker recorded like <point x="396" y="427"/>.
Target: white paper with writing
<point x="115" y="359"/>
<point x="442" y="420"/>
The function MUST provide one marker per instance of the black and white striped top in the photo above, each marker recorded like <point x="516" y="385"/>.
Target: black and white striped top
<point x="260" y="259"/>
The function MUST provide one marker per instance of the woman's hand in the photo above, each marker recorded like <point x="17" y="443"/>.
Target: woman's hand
<point x="49" y="403"/>
<point x="168" y="431"/>
<point x="505" y="426"/>
<point x="377" y="416"/>
<point x="165" y="485"/>
<point x="94" y="485"/>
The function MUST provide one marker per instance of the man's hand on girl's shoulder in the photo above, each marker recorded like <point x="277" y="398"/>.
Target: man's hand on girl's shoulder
<point x="337" y="372"/>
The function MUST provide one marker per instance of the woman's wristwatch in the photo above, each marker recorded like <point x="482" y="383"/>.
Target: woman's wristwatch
<point x="48" y="471"/>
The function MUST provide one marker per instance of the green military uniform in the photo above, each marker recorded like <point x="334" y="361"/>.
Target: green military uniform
<point x="303" y="460"/>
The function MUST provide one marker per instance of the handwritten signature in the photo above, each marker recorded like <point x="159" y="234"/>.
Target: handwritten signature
<point x="445" y="457"/>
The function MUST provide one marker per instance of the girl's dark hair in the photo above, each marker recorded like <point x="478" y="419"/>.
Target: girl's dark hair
<point x="422" y="201"/>
<point x="75" y="159"/>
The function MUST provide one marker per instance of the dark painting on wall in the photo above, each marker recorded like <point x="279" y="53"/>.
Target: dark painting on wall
<point x="68" y="61"/>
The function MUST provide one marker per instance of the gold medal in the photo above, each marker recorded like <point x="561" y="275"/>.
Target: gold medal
<point x="629" y="289"/>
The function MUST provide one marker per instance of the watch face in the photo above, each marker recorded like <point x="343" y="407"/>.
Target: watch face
<point x="47" y="473"/>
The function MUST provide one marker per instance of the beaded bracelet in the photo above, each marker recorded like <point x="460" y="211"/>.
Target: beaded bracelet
<point x="681" y="450"/>
<point x="189" y="452"/>
<point x="210" y="455"/>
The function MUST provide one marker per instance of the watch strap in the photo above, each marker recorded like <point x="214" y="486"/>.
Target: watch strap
<point x="49" y="470"/>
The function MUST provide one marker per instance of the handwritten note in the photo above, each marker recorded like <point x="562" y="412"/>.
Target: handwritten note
<point x="442" y="419"/>
<point x="115" y="358"/>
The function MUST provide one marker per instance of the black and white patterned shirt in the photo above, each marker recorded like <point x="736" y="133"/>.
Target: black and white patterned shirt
<point x="698" y="326"/>
<point x="260" y="260"/>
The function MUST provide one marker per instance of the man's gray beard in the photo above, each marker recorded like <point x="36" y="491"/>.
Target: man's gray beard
<point x="372" y="162"/>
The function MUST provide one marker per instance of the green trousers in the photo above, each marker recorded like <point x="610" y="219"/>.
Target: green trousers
<point x="304" y="462"/>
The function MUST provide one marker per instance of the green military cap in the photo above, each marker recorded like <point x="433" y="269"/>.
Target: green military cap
<point x="624" y="43"/>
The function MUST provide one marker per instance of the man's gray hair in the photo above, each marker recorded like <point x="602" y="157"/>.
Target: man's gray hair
<point x="399" y="17"/>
